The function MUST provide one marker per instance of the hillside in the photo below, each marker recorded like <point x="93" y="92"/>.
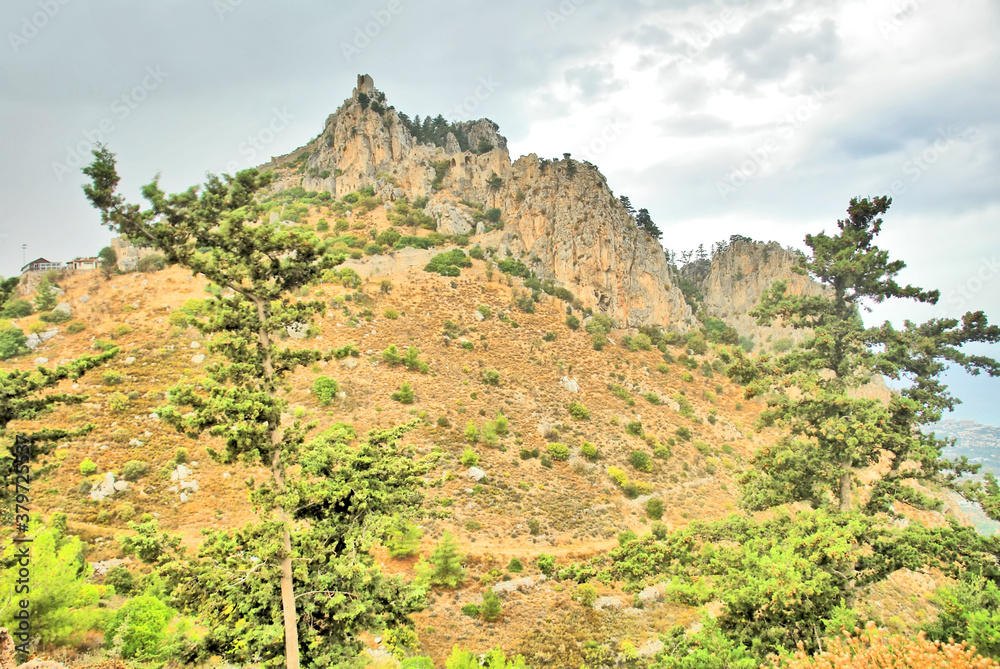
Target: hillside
<point x="568" y="381"/>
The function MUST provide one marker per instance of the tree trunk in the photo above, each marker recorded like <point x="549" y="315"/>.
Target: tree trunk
<point x="289" y="615"/>
<point x="845" y="490"/>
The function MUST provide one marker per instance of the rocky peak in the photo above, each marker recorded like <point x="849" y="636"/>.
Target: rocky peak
<point x="733" y="281"/>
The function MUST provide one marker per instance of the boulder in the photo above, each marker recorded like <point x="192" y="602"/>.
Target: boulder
<point x="198" y="359"/>
<point x="569" y="384"/>
<point x="48" y="334"/>
<point x="63" y="308"/>
<point x="476" y="474"/>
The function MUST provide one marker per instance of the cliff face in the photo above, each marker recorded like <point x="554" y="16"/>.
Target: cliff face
<point x="735" y="279"/>
<point x="561" y="219"/>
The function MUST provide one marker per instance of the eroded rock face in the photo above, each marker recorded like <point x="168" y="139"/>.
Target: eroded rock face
<point x="560" y="217"/>
<point x="733" y="282"/>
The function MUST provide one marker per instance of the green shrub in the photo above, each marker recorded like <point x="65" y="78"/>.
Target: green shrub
<point x="121" y="579"/>
<point x="515" y="566"/>
<point x="686" y="377"/>
<point x="491" y="377"/>
<point x="500" y="422"/>
<point x="626" y="537"/>
<point x="181" y="455"/>
<point x="546" y="563"/>
<point x="702" y="447"/>
<point x="471" y="432"/>
<point x="527" y="454"/>
<point x="572" y="322"/>
<point x="549" y="336"/>
<point x="589" y="451"/>
<point x="491" y="608"/>
<point x="345" y="351"/>
<point x="640" y="460"/>
<point x="134" y="470"/>
<point x="640" y="342"/>
<point x="12" y="343"/>
<point x="634" y="428"/>
<point x="534" y="527"/>
<point x="325" y="389"/>
<point x="662" y="451"/>
<point x="558" y="451"/>
<point x="404" y="395"/>
<point x="448" y="263"/>
<point x="618" y="476"/>
<point x="683" y="433"/>
<point x="75" y="326"/>
<point x="17" y="308"/>
<point x="578" y="411"/>
<point x="470" y="610"/>
<point x="120" y="331"/>
<point x="151" y="263"/>
<point x="442" y="421"/>
<point x="138" y="627"/>
<point x="112" y="377"/>
<point x="87" y="467"/>
<point x="654" y="508"/>
<point x="391" y="314"/>
<point x="586" y="594"/>
<point x="651" y="397"/>
<point x="469" y="458"/>
<point x="55" y="317"/>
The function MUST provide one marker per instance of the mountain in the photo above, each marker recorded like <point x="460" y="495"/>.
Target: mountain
<point x="596" y="428"/>
<point x="562" y="219"/>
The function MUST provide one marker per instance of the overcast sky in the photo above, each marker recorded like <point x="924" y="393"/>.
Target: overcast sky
<point x="759" y="118"/>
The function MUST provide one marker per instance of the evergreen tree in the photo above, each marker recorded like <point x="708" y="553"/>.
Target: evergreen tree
<point x="45" y="296"/>
<point x="645" y="223"/>
<point x="835" y="432"/>
<point x="445" y="568"/>
<point x="627" y="203"/>
<point x="25" y="395"/>
<point x="108" y="258"/>
<point x="220" y="231"/>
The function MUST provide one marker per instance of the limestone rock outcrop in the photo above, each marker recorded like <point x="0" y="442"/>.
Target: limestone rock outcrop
<point x="560" y="217"/>
<point x="734" y="280"/>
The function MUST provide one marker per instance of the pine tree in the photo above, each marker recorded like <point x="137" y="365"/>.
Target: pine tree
<point x="491" y="608"/>
<point x="627" y="203"/>
<point x="45" y="296"/>
<point x="446" y="564"/>
<point x="835" y="432"/>
<point x="220" y="231"/>
<point x="645" y="223"/>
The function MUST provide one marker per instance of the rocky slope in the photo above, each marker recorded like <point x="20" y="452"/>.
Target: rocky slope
<point x="561" y="219"/>
<point x="732" y="282"/>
